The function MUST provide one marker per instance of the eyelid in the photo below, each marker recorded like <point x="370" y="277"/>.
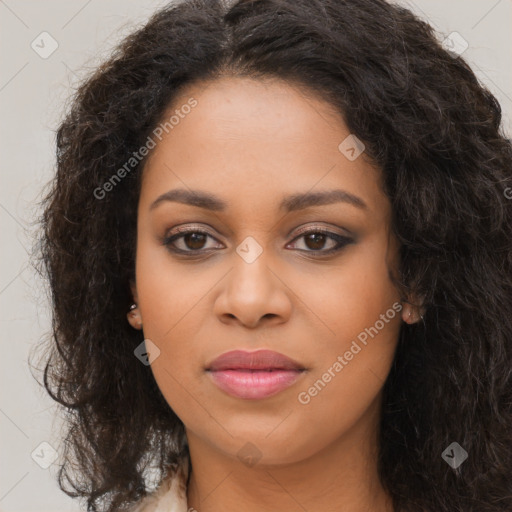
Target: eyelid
<point x="321" y="228"/>
<point x="188" y="228"/>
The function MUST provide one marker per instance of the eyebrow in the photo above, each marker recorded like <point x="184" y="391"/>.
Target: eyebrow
<point x="290" y="203"/>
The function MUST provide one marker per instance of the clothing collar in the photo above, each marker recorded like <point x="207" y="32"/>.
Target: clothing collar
<point x="171" y="494"/>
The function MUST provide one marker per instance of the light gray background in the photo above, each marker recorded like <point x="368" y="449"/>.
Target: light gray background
<point x="33" y="94"/>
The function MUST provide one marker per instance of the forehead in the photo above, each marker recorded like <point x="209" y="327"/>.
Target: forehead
<point x="253" y="142"/>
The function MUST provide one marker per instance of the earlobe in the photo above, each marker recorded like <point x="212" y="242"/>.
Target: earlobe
<point x="411" y="313"/>
<point x="133" y="317"/>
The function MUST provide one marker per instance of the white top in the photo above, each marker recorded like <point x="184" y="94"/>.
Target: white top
<point x="171" y="494"/>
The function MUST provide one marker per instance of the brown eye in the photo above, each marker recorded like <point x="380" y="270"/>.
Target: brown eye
<point x="194" y="240"/>
<point x="188" y="241"/>
<point x="316" y="239"/>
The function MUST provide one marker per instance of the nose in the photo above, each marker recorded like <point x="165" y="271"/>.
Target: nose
<point x="253" y="294"/>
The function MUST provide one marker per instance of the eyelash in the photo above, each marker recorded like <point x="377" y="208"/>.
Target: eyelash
<point x="341" y="240"/>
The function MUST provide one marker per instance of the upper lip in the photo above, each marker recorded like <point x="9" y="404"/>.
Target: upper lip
<point x="256" y="360"/>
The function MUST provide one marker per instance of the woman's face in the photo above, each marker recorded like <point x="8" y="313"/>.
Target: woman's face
<point x="260" y="272"/>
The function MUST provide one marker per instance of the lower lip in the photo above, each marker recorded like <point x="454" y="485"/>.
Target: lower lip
<point x="254" y="385"/>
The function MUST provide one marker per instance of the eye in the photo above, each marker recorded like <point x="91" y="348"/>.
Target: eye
<point x="193" y="241"/>
<point x="316" y="238"/>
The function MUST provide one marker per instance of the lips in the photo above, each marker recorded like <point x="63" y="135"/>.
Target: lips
<point x="259" y="360"/>
<point x="254" y="375"/>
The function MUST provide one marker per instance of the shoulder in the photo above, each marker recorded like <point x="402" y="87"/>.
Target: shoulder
<point x="170" y="495"/>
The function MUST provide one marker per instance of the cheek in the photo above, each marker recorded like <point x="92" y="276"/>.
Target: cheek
<point x="360" y="306"/>
<point x="172" y="320"/>
<point x="353" y="295"/>
<point x="167" y="291"/>
<point x="170" y="297"/>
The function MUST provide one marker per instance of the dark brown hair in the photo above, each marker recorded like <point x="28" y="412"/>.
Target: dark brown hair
<point x="431" y="127"/>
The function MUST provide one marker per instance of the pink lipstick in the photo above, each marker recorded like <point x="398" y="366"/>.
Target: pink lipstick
<point x="254" y="375"/>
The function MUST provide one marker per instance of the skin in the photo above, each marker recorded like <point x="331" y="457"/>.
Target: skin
<point x="251" y="143"/>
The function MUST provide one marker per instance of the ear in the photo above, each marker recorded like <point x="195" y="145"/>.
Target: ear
<point x="133" y="316"/>
<point x="412" y="309"/>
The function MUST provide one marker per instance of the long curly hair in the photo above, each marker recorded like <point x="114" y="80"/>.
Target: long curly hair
<point x="433" y="129"/>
